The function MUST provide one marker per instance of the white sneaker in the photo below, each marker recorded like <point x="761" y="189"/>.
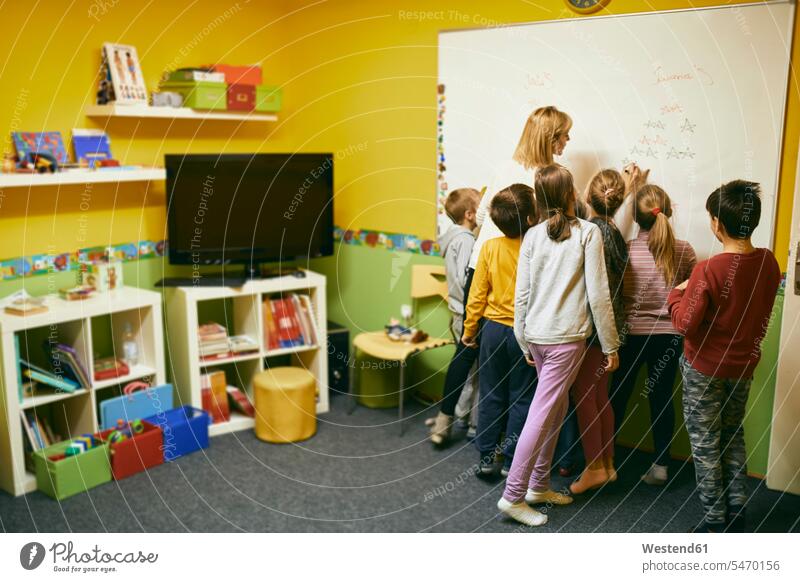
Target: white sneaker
<point x="656" y="475"/>
<point x="521" y="512"/>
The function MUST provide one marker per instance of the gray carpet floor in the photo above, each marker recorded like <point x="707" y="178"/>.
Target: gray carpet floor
<point x="358" y="475"/>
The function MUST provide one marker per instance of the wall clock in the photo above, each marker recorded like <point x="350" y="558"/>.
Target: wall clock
<point x="586" y="6"/>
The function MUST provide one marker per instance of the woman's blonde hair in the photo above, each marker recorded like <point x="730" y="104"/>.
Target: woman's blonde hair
<point x="651" y="212"/>
<point x="543" y="128"/>
<point x="555" y="189"/>
<point x="605" y="193"/>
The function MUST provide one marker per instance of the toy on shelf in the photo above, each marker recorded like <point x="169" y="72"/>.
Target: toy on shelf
<point x="107" y="368"/>
<point x="400" y="333"/>
<point x="397" y="332"/>
<point x="80" y="445"/>
<point x="77" y="293"/>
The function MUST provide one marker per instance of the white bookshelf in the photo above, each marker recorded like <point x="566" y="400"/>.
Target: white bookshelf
<point x="151" y="112"/>
<point x="71" y="323"/>
<point x="246" y="302"/>
<point x="82" y="177"/>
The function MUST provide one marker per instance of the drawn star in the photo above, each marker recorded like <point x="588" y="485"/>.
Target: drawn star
<point x="687" y="126"/>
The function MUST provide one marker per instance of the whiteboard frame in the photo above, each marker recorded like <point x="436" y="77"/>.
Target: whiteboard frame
<point x="790" y="39"/>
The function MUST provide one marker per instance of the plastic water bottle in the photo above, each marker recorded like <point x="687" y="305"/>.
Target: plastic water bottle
<point x="130" y="348"/>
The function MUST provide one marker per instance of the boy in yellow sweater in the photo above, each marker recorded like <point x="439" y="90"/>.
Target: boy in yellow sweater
<point x="506" y="380"/>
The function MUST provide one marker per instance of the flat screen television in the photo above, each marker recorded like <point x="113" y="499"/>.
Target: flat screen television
<point x="248" y="208"/>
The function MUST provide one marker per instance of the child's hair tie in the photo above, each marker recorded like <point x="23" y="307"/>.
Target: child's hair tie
<point x="556" y="211"/>
<point x="655" y="211"/>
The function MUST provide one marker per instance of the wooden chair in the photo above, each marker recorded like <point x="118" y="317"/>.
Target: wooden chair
<point x="425" y="282"/>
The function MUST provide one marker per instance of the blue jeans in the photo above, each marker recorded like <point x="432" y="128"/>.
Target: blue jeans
<point x="506" y="384"/>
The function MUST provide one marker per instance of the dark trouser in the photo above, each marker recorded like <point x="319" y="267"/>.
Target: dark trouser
<point x="714" y="410"/>
<point x="568" y="446"/>
<point x="460" y="365"/>
<point x="661" y="353"/>
<point x="507" y="384"/>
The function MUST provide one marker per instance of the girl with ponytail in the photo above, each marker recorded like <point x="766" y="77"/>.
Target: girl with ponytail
<point x="561" y="297"/>
<point x="657" y="262"/>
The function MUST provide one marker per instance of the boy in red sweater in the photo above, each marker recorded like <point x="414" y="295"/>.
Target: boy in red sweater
<point x="723" y="310"/>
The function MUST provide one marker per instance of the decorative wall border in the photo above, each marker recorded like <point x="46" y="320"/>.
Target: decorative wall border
<point x="389" y="241"/>
<point x="42" y="264"/>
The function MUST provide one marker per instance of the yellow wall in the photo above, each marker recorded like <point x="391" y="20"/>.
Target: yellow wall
<point x="359" y="79"/>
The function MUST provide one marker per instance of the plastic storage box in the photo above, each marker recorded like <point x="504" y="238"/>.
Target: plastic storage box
<point x="185" y="430"/>
<point x="135" y="454"/>
<point x="200" y="94"/>
<point x="268" y="98"/>
<point x="241" y="74"/>
<point x="71" y="475"/>
<point x="241" y="97"/>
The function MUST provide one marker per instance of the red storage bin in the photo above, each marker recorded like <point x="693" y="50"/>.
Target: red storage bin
<point x="134" y="455"/>
<point x="241" y="97"/>
<point x="239" y="74"/>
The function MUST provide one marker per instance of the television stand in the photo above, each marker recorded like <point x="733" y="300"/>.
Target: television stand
<point x="223" y="280"/>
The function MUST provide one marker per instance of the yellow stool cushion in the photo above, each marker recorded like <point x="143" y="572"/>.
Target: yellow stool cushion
<point x="286" y="408"/>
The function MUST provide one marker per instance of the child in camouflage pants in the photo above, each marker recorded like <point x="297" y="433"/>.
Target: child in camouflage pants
<point x="723" y="310"/>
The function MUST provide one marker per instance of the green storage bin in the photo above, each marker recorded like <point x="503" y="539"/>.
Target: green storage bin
<point x="72" y="475"/>
<point x="200" y="94"/>
<point x="268" y="98"/>
<point x="377" y="382"/>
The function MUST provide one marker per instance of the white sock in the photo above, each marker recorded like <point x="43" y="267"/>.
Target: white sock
<point x="521" y="512"/>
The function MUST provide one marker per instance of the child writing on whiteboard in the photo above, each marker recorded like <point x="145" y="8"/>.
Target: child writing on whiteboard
<point x="562" y="294"/>
<point x="656" y="262"/>
<point x="506" y="382"/>
<point x="723" y="310"/>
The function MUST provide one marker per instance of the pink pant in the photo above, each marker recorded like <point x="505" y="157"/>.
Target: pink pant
<point x="557" y="366"/>
<point x="595" y="416"/>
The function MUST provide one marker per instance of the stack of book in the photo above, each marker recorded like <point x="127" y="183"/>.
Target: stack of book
<point x="213" y="340"/>
<point x="289" y="322"/>
<point x="38" y="434"/>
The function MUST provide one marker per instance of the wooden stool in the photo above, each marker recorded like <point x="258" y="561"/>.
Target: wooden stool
<point x="286" y="409"/>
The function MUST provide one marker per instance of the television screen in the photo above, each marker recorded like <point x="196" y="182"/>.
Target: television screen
<point x="249" y="208"/>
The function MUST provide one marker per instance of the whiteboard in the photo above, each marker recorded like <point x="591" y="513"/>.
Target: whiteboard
<point x="697" y="96"/>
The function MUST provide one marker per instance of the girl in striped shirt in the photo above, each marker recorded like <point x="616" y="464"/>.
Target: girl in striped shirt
<point x="656" y="263"/>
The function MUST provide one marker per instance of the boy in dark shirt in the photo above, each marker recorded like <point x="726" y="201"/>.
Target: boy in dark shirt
<point x="723" y="311"/>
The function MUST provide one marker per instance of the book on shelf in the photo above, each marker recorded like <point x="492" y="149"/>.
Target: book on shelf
<point x="242" y="344"/>
<point x="239" y="402"/>
<point x="26" y="306"/>
<point x="213" y="340"/>
<point x="43" y="376"/>
<point x="289" y="322"/>
<point x="65" y="361"/>
<point x="214" y="396"/>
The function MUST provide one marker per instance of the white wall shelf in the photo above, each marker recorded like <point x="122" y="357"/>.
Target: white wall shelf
<point x="247" y="318"/>
<point x="71" y="322"/>
<point x="148" y="111"/>
<point x="81" y="177"/>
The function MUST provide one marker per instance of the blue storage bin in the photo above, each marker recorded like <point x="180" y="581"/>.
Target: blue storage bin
<point x="185" y="430"/>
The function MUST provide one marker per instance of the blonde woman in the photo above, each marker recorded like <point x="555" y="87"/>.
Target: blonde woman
<point x="545" y="135"/>
<point x="657" y="261"/>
